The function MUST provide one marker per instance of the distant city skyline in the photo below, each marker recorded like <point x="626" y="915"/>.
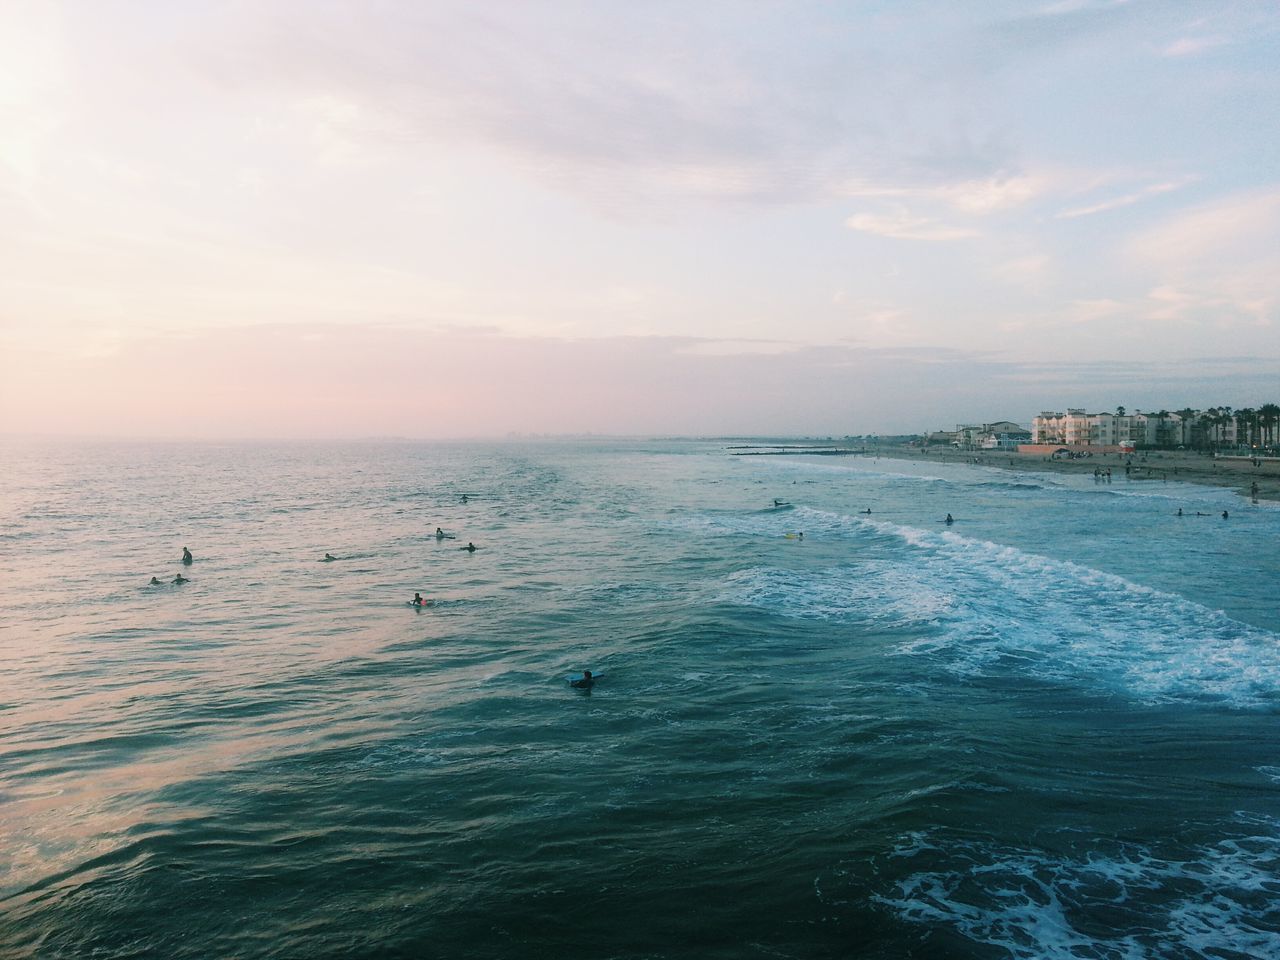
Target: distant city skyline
<point x="455" y="220"/>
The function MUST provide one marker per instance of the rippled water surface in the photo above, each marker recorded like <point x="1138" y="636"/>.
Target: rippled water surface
<point x="1051" y="729"/>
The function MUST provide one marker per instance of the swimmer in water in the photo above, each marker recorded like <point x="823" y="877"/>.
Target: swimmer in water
<point x="470" y="547"/>
<point x="950" y="520"/>
<point x="155" y="582"/>
<point x="180" y="579"/>
<point x="186" y="555"/>
<point x="585" y="682"/>
<point x="1179" y="511"/>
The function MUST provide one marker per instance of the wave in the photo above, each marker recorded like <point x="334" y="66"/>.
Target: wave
<point x="1219" y="901"/>
<point x="977" y="608"/>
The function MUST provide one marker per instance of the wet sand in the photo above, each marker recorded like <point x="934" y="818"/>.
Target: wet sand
<point x="1237" y="474"/>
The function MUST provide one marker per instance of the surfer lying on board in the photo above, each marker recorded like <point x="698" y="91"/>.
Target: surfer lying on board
<point x="441" y="535"/>
<point x="328" y="558"/>
<point x="470" y="547"/>
<point x="180" y="579"/>
<point x="585" y="682"/>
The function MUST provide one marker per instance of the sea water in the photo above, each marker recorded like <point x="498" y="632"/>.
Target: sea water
<point x="1048" y="730"/>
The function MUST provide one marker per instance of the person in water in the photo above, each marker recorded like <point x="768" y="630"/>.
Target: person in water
<point x="1179" y="511"/>
<point x="1225" y="514"/>
<point x="585" y="682"/>
<point x="186" y="555"/>
<point x="470" y="547"/>
<point x="441" y="535"/>
<point x="180" y="579"/>
<point x="417" y="600"/>
<point x="464" y="498"/>
<point x="950" y="520"/>
<point x="867" y="511"/>
<point x="155" y="582"/>
<point x="328" y="557"/>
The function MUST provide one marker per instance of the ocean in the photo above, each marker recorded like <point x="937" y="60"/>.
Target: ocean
<point x="1048" y="730"/>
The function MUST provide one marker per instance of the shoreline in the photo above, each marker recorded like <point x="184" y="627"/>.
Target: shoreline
<point x="1154" y="466"/>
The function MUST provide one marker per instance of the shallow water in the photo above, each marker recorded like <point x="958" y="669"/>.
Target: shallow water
<point x="1049" y="730"/>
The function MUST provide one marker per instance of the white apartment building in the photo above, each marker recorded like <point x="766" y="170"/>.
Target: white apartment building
<point x="1078" y="428"/>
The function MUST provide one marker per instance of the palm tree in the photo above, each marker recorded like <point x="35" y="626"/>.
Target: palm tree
<point x="1268" y="417"/>
<point x="1119" y="411"/>
<point x="1162" y="434"/>
<point x="1245" y="418"/>
<point x="1206" y="421"/>
<point x="1184" y="430"/>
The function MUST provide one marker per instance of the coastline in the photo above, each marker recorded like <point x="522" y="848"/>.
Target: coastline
<point x="1153" y="466"/>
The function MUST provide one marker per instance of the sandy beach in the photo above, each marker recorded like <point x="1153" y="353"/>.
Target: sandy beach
<point x="1156" y="466"/>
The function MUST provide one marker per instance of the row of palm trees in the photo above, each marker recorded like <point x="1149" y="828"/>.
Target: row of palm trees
<point x="1255" y="427"/>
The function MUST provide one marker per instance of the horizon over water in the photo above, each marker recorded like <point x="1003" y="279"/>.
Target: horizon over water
<point x="1051" y="730"/>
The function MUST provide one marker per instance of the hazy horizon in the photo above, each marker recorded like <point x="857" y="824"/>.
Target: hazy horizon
<point x="437" y="221"/>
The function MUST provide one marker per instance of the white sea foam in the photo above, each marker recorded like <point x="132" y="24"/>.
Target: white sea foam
<point x="1221" y="900"/>
<point x="976" y="607"/>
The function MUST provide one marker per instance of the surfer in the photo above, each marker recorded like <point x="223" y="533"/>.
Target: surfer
<point x="464" y="498"/>
<point x="186" y="556"/>
<point x="867" y="511"/>
<point x="417" y="600"/>
<point x="470" y="547"/>
<point x="441" y="535"/>
<point x="779" y="503"/>
<point x="1179" y="511"/>
<point x="1225" y="514"/>
<point x="180" y="579"/>
<point x="950" y="520"/>
<point x="585" y="682"/>
<point x="328" y="558"/>
<point x="155" y="582"/>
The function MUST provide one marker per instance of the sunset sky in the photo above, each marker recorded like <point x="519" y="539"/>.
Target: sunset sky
<point x="431" y="219"/>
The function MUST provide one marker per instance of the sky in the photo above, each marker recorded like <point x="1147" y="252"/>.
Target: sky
<point x="434" y="219"/>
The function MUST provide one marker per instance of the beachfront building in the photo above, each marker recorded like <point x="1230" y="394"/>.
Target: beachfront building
<point x="1001" y="435"/>
<point x="1216" y="428"/>
<point x="1065" y="429"/>
<point x="1077" y="428"/>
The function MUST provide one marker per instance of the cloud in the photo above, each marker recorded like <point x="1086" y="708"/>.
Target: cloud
<point x="1240" y="227"/>
<point x="901" y="225"/>
<point x="1115" y="203"/>
<point x="1190" y="46"/>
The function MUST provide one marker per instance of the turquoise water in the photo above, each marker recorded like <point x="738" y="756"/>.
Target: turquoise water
<point x="1050" y="730"/>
